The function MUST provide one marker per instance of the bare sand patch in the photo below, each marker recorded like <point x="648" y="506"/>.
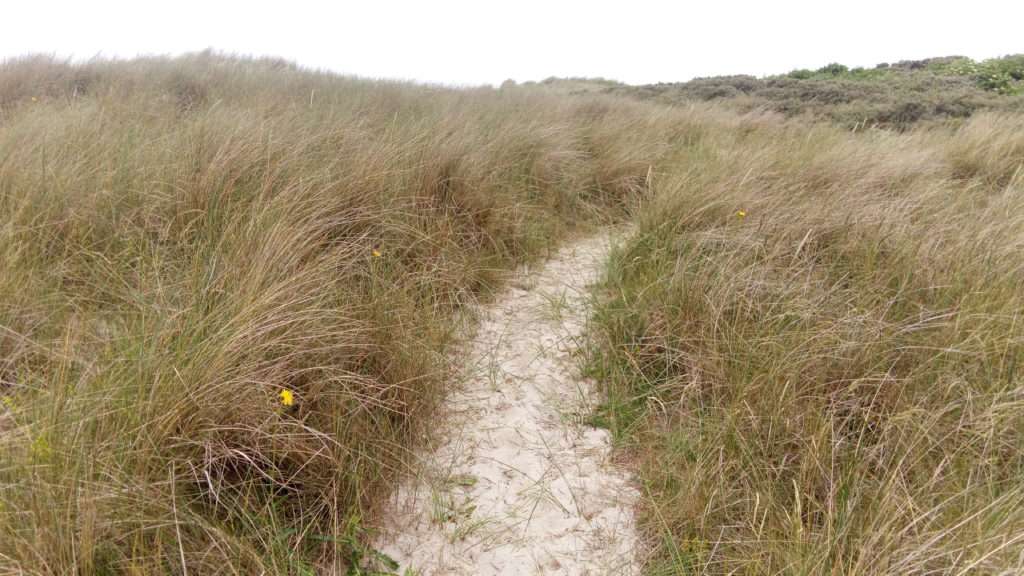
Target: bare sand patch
<point x="519" y="485"/>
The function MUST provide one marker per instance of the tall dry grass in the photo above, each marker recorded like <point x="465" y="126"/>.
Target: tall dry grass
<point x="183" y="240"/>
<point x="813" y="346"/>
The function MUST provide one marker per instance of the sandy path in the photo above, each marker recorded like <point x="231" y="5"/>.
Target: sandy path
<point x="518" y="485"/>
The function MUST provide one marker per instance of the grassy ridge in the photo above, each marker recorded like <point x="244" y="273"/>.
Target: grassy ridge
<point x="185" y="243"/>
<point x="898" y="96"/>
<point x="813" y="345"/>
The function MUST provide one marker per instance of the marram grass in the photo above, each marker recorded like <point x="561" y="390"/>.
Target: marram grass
<point x="228" y="289"/>
<point x="813" y="347"/>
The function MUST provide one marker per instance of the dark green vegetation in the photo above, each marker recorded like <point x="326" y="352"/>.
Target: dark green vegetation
<point x="897" y="95"/>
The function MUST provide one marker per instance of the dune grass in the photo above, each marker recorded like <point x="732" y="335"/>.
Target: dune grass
<point x="813" y="347"/>
<point x="227" y="287"/>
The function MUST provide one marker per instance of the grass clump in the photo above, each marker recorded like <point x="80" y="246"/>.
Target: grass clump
<point x="227" y="287"/>
<point x="813" y="344"/>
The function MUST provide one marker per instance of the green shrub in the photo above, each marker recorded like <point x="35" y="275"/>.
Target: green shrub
<point x="892" y="96"/>
<point x="833" y="69"/>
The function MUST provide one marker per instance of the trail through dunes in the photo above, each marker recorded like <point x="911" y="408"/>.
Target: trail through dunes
<point x="519" y="485"/>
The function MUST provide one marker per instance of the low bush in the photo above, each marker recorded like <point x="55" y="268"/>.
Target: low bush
<point x="889" y="96"/>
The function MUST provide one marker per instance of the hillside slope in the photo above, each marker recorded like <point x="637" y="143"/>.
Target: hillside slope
<point x="813" y="348"/>
<point x="890" y="95"/>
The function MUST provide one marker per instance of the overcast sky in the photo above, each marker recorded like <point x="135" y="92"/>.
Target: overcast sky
<point x="467" y="42"/>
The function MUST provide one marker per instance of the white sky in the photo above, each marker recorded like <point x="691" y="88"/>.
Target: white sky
<point x="465" y="42"/>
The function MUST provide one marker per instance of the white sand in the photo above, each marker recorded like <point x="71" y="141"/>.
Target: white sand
<point x="519" y="485"/>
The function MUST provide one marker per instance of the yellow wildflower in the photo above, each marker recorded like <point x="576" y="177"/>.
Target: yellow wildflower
<point x="741" y="214"/>
<point x="376" y="253"/>
<point x="7" y="401"/>
<point x="41" y="447"/>
<point x="287" y="398"/>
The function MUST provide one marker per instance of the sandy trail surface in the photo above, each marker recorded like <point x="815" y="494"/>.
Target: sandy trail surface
<point x="518" y="484"/>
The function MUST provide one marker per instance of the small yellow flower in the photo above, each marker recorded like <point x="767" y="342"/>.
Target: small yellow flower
<point x="376" y="253"/>
<point x="287" y="398"/>
<point x="41" y="447"/>
<point x="7" y="401"/>
<point x="741" y="214"/>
